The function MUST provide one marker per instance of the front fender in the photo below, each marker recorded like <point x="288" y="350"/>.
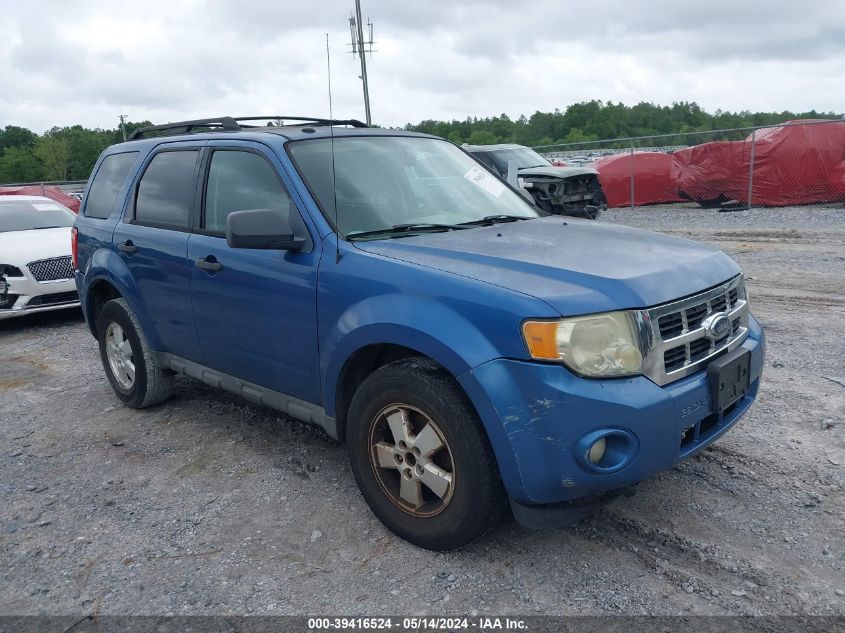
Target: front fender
<point x="420" y="324"/>
<point x="106" y="265"/>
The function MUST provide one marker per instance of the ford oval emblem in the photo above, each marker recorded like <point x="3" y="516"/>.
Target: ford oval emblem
<point x="717" y="326"/>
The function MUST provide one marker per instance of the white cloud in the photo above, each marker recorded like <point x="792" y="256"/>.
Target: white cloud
<point x="64" y="63"/>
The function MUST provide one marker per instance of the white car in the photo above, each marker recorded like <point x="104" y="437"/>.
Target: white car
<point x="36" y="267"/>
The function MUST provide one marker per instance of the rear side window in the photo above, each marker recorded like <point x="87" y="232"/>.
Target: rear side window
<point x="107" y="183"/>
<point x="166" y="190"/>
<point x="238" y="181"/>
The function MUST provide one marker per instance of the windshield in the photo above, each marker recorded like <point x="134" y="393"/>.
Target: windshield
<point x="25" y="215"/>
<point x="524" y="157"/>
<point x="385" y="181"/>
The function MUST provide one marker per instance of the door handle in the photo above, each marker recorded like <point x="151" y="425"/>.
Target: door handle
<point x="127" y="247"/>
<point x="205" y="264"/>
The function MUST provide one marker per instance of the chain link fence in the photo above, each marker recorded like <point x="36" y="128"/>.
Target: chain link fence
<point x="795" y="163"/>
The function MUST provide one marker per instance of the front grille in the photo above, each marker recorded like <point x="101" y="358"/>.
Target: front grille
<point x="53" y="269"/>
<point x="671" y="325"/>
<point x="675" y="357"/>
<point x="53" y="299"/>
<point x="699" y="349"/>
<point x="680" y="345"/>
<point x="695" y="315"/>
<point x="689" y="318"/>
<point x="705" y="428"/>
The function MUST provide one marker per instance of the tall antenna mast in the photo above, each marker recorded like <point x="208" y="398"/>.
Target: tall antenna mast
<point x="361" y="47"/>
<point x="122" y="118"/>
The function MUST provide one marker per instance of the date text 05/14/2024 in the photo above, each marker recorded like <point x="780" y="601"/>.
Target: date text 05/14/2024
<point x="416" y="624"/>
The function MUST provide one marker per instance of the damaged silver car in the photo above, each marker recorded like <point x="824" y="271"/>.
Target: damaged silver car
<point x="572" y="191"/>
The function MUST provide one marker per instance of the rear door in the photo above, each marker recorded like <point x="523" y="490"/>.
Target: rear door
<point x="153" y="240"/>
<point x="255" y="310"/>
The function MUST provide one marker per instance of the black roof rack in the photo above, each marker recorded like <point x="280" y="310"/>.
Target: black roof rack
<point x="231" y="124"/>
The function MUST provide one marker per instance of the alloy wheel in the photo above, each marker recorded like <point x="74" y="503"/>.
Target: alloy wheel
<point x="411" y="460"/>
<point x="119" y="355"/>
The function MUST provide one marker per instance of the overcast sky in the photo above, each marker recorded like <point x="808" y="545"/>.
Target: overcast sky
<point x="64" y="62"/>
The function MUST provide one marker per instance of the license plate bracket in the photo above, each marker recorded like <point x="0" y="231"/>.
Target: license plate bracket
<point x="729" y="377"/>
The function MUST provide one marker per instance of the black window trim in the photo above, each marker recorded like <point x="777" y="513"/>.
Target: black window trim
<point x="129" y="216"/>
<point x="83" y="211"/>
<point x="199" y="222"/>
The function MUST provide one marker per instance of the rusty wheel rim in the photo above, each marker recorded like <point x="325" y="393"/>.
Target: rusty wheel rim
<point x="411" y="460"/>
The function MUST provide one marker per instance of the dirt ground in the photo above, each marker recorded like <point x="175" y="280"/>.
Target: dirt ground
<point x="209" y="505"/>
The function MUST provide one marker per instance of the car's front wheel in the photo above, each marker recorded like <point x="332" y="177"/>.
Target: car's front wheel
<point x="128" y="360"/>
<point x="421" y="457"/>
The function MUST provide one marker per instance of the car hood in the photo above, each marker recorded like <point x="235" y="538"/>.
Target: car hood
<point x="555" y="172"/>
<point x="575" y="266"/>
<point x="21" y="247"/>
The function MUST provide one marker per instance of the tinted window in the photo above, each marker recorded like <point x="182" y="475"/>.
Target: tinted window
<point x="238" y="181"/>
<point x="107" y="183"/>
<point x="26" y="215"/>
<point x="166" y="191"/>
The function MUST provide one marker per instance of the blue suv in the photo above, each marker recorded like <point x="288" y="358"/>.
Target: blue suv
<point x="474" y="353"/>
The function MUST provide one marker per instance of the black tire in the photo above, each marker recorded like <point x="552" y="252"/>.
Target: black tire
<point x="712" y="203"/>
<point x="151" y="384"/>
<point x="476" y="499"/>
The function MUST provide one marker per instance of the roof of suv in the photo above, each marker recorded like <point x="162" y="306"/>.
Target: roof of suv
<point x="230" y="129"/>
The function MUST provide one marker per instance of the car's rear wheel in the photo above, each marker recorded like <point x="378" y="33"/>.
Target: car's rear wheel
<point x="128" y="360"/>
<point x="421" y="457"/>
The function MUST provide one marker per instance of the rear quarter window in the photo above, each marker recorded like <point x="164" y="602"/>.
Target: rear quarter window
<point x="108" y="180"/>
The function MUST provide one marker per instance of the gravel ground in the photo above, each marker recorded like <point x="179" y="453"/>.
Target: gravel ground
<point x="208" y="505"/>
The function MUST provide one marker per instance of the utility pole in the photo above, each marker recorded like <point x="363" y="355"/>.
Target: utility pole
<point x="361" y="47"/>
<point x="122" y="118"/>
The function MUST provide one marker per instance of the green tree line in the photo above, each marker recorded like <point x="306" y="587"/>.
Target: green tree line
<point x="597" y="120"/>
<point x="69" y="153"/>
<point x="61" y="153"/>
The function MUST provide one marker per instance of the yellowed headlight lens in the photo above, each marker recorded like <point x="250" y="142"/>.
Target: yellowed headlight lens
<point x="596" y="345"/>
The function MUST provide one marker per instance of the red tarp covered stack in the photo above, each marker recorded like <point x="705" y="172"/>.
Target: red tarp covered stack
<point x="837" y="181"/>
<point x="653" y="181"/>
<point x="48" y="191"/>
<point x="792" y="165"/>
<point x="705" y="173"/>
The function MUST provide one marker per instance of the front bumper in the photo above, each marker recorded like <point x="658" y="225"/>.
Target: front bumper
<point x="27" y="296"/>
<point x="535" y="414"/>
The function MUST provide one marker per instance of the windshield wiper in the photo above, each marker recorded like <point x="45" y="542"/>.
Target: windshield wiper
<point x="489" y="220"/>
<point x="36" y="228"/>
<point x="408" y="228"/>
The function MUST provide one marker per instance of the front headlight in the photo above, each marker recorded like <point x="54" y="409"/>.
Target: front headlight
<point x="597" y="345"/>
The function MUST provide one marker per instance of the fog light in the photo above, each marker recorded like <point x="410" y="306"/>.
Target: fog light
<point x="606" y="451"/>
<point x="597" y="450"/>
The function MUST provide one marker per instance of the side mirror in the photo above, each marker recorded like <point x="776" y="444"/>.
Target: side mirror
<point x="261" y="228"/>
